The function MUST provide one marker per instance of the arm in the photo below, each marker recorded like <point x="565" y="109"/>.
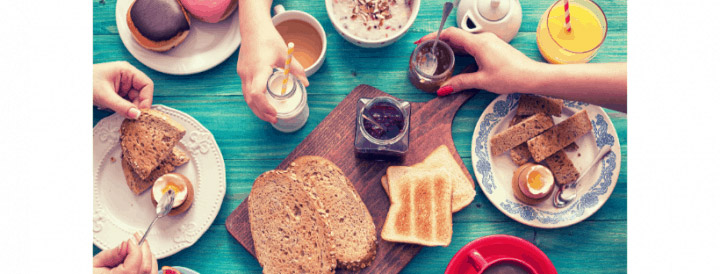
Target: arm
<point x="600" y="84"/>
<point x="504" y="69"/>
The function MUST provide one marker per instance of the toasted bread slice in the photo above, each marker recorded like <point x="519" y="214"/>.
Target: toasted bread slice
<point x="531" y="104"/>
<point x="562" y="168"/>
<point x="139" y="185"/>
<point x="463" y="189"/>
<point x="289" y="232"/>
<point x="520" y="133"/>
<point x="420" y="210"/>
<point x="147" y="141"/>
<point x="347" y="216"/>
<point x="559" y="136"/>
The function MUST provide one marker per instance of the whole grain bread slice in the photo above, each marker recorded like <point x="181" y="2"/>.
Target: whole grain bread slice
<point x="289" y="233"/>
<point x="520" y="133"/>
<point x="562" y="168"/>
<point x="559" y="136"/>
<point x="139" y="185"/>
<point x="420" y="210"/>
<point x="348" y="218"/>
<point x="148" y="140"/>
<point x="531" y="104"/>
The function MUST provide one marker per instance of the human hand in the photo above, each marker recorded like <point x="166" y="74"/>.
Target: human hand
<point x="502" y="69"/>
<point x="258" y="56"/>
<point x="128" y="258"/>
<point x="121" y="87"/>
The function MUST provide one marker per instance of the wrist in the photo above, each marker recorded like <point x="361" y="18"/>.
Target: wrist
<point x="537" y="75"/>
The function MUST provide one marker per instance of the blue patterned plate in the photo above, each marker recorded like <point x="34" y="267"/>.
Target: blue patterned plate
<point x="494" y="173"/>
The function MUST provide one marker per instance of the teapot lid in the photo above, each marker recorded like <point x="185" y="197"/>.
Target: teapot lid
<point x="493" y="10"/>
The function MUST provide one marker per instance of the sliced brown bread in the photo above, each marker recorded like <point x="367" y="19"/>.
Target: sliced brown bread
<point x="531" y="104"/>
<point x="519" y="154"/>
<point x="148" y="140"/>
<point x="420" y="210"/>
<point x="562" y="168"/>
<point x="559" y="136"/>
<point x="139" y="185"/>
<point x="289" y="232"/>
<point x="519" y="133"/>
<point x="348" y="218"/>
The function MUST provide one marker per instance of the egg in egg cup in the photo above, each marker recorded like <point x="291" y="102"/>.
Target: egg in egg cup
<point x="532" y="183"/>
<point x="184" y="192"/>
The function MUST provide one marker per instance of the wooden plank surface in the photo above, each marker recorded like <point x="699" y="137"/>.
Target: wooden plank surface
<point x="250" y="146"/>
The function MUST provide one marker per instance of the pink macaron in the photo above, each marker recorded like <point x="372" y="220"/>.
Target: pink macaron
<point x="211" y="11"/>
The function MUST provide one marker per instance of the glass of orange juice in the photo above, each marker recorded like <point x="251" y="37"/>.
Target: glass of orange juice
<point x="580" y="45"/>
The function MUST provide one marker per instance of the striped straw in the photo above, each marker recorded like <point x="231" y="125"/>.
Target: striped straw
<point x="286" y="73"/>
<point x="567" y="16"/>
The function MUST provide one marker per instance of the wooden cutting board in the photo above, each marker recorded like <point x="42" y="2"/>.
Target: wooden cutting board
<point x="333" y="138"/>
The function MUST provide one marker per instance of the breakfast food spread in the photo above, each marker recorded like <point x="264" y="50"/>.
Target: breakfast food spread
<point x="312" y="215"/>
<point x="184" y="192"/>
<point x="463" y="189"/>
<point x="420" y="209"/>
<point x="520" y="133"/>
<point x="148" y="148"/>
<point x="532" y="183"/>
<point x="158" y="25"/>
<point x="559" y="136"/>
<point x="349" y="220"/>
<point x="210" y="11"/>
<point x="287" y="227"/>
<point x="372" y="19"/>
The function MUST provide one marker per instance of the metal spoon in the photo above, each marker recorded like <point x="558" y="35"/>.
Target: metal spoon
<point x="371" y="120"/>
<point x="162" y="209"/>
<point x="568" y="192"/>
<point x="431" y="62"/>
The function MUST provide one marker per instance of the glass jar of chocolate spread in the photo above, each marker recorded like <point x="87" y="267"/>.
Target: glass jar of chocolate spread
<point x="429" y="77"/>
<point x="292" y="107"/>
<point x="382" y="127"/>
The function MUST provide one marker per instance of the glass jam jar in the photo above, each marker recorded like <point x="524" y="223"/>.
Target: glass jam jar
<point x="429" y="77"/>
<point x="382" y="127"/>
<point x="292" y="107"/>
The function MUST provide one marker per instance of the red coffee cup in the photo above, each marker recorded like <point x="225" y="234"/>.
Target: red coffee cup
<point x="490" y="253"/>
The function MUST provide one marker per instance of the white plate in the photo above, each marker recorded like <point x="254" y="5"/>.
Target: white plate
<point x="494" y="173"/>
<point x="206" y="46"/>
<point x="118" y="212"/>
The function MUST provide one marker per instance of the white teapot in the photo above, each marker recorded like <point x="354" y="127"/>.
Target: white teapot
<point x="502" y="17"/>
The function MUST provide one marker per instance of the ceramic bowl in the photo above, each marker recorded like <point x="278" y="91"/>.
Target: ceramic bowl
<point x="366" y="43"/>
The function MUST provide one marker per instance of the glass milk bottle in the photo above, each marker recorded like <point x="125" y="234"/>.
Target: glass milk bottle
<point x="292" y="108"/>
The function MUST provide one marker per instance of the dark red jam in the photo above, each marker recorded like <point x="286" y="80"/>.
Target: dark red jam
<point x="389" y="119"/>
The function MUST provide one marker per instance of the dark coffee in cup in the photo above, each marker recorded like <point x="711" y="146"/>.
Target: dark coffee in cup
<point x="507" y="267"/>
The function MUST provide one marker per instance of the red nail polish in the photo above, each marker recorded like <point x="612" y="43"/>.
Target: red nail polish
<point x="418" y="41"/>
<point x="444" y="91"/>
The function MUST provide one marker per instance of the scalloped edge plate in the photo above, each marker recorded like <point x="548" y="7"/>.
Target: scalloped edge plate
<point x="206" y="46"/>
<point x="595" y="188"/>
<point x="118" y="212"/>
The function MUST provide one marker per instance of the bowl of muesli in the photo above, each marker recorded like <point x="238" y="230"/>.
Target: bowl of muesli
<point x="372" y="23"/>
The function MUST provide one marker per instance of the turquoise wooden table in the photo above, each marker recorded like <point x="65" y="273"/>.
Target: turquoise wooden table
<point x="251" y="146"/>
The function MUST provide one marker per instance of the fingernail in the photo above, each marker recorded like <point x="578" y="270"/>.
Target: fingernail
<point x="123" y="247"/>
<point x="418" y="41"/>
<point x="444" y="91"/>
<point x="134" y="113"/>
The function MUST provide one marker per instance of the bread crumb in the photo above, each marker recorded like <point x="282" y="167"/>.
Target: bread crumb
<point x="112" y="159"/>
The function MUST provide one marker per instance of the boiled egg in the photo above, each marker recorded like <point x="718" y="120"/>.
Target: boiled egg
<point x="536" y="181"/>
<point x="174" y="181"/>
